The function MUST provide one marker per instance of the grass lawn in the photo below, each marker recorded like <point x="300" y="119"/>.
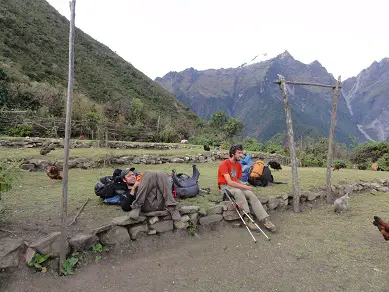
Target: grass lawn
<point x="34" y="204"/>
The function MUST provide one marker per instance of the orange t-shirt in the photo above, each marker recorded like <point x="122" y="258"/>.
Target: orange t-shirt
<point x="227" y="167"/>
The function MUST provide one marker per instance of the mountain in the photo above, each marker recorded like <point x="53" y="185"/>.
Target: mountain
<point x="249" y="93"/>
<point x="367" y="96"/>
<point x="34" y="50"/>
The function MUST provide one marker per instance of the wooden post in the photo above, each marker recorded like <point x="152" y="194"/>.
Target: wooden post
<point x="64" y="207"/>
<point x="292" y="150"/>
<point x="331" y="141"/>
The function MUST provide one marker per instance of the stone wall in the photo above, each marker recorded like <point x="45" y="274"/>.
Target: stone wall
<point x="121" y="230"/>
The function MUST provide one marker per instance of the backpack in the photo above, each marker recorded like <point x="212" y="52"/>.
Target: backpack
<point x="260" y="174"/>
<point x="185" y="186"/>
<point x="106" y="186"/>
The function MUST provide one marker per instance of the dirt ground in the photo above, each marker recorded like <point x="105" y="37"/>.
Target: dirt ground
<point x="316" y="250"/>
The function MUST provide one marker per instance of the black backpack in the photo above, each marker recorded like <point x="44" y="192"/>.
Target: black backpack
<point x="264" y="179"/>
<point x="107" y="185"/>
<point x="185" y="186"/>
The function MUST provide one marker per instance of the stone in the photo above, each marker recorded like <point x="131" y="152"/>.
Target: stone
<point x="185" y="218"/>
<point x="216" y="210"/>
<point x="156" y="213"/>
<point x="49" y="244"/>
<point x="312" y="196"/>
<point x="153" y="220"/>
<point x="230" y="215"/>
<point x="180" y="224"/>
<point x="374" y="192"/>
<point x="383" y="189"/>
<point x="189" y="209"/>
<point x="163" y="226"/>
<point x="211" y="219"/>
<point x="126" y="220"/>
<point x="28" y="166"/>
<point x="81" y="242"/>
<point x="194" y="217"/>
<point x="152" y="232"/>
<point x="101" y="229"/>
<point x="227" y="206"/>
<point x="135" y="230"/>
<point x="117" y="235"/>
<point x="273" y="203"/>
<point x="10" y="251"/>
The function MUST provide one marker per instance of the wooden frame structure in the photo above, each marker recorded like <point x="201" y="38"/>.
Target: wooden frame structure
<point x="282" y="84"/>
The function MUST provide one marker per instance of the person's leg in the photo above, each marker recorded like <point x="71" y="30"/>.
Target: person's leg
<point x="165" y="195"/>
<point x="239" y="197"/>
<point x="144" y="190"/>
<point x="259" y="211"/>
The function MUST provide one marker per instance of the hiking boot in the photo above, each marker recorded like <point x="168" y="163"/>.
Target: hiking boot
<point x="269" y="225"/>
<point x="134" y="213"/>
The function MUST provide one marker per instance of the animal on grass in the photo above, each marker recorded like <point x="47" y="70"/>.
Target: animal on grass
<point x="382" y="226"/>
<point x="53" y="172"/>
<point x="275" y="165"/>
<point x="207" y="148"/>
<point x="338" y="166"/>
<point x="340" y="204"/>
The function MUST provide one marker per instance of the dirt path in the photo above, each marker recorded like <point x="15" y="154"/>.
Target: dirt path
<point x="313" y="251"/>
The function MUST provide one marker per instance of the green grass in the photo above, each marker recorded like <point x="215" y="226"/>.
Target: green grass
<point x="93" y="153"/>
<point x="34" y="202"/>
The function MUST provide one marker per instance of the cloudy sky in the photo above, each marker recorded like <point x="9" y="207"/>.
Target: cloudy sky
<point x="158" y="36"/>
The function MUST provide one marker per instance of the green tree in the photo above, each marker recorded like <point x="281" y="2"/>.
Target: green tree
<point x="233" y="127"/>
<point x="219" y="119"/>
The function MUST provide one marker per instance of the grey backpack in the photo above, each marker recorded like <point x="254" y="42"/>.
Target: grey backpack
<point x="185" y="186"/>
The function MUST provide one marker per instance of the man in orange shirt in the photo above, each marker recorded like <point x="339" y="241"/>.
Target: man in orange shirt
<point x="229" y="173"/>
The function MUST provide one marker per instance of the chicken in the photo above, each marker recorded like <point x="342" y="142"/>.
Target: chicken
<point x="382" y="226"/>
<point x="339" y="166"/>
<point x="275" y="165"/>
<point x="53" y="172"/>
<point x="340" y="204"/>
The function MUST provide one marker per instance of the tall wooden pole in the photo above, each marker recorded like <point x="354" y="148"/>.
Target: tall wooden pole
<point x="64" y="208"/>
<point x="331" y="141"/>
<point x="292" y="150"/>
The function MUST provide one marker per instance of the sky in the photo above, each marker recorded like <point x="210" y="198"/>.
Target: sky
<point x="159" y="36"/>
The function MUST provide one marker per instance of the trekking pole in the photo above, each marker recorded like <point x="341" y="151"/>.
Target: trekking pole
<point x="237" y="211"/>
<point x="251" y="219"/>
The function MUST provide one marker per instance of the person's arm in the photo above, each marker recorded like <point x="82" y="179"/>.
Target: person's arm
<point x="134" y="187"/>
<point x="234" y="184"/>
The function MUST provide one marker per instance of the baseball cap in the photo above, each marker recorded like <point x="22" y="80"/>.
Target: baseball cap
<point x="125" y="171"/>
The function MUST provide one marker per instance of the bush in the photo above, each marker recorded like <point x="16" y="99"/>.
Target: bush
<point x="370" y="150"/>
<point x="251" y="144"/>
<point x="383" y="162"/>
<point x="21" y="130"/>
<point x="312" y="160"/>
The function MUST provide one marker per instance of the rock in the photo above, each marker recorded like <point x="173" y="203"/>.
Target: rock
<point x="134" y="231"/>
<point x="273" y="203"/>
<point x="101" y="229"/>
<point x="348" y="189"/>
<point x="375" y="186"/>
<point x="177" y="160"/>
<point x="312" y="196"/>
<point x="180" y="224"/>
<point x="163" y="226"/>
<point x="28" y="166"/>
<point x="216" y="210"/>
<point x="81" y="242"/>
<point x="156" y="213"/>
<point x="117" y="235"/>
<point x="194" y="217"/>
<point x="211" y="219"/>
<point x="227" y="206"/>
<point x="189" y="209"/>
<point x="10" y="251"/>
<point x="185" y="218"/>
<point x="153" y="220"/>
<point x="230" y="215"/>
<point x="152" y="232"/>
<point x="49" y="244"/>
<point x="374" y="192"/>
<point x="126" y="220"/>
<point x="383" y="189"/>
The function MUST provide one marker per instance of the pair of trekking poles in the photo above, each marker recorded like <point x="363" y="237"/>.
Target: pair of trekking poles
<point x="237" y="209"/>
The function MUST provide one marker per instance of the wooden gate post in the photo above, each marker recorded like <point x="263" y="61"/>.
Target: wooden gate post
<point x="331" y="141"/>
<point x="292" y="150"/>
